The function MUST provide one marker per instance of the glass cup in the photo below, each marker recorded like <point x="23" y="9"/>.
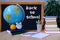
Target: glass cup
<point x="39" y="27"/>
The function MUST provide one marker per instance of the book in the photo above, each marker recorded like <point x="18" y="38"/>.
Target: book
<point x="17" y="31"/>
<point x="50" y="25"/>
<point x="50" y="16"/>
<point x="50" y="20"/>
<point x="35" y="34"/>
<point x="52" y="29"/>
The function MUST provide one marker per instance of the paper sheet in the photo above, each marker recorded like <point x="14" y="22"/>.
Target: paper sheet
<point x="35" y="34"/>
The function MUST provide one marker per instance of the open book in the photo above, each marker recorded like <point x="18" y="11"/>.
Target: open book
<point x="35" y="34"/>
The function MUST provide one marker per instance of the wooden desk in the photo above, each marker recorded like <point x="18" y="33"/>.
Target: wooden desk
<point x="6" y="36"/>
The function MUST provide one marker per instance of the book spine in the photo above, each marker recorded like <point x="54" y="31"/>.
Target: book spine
<point x="50" y="20"/>
<point x="52" y="29"/>
<point x="50" y="25"/>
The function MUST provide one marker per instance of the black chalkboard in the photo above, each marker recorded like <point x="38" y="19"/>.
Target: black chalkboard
<point x="31" y="16"/>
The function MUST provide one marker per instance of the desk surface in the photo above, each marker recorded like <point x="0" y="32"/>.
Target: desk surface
<point x="6" y="36"/>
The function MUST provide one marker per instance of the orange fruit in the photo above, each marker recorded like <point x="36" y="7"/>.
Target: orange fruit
<point x="12" y="26"/>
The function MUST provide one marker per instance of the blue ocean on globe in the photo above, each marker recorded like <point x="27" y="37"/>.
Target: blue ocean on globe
<point x="13" y="14"/>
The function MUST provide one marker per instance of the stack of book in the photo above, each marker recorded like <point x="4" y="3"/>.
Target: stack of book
<point x="51" y="25"/>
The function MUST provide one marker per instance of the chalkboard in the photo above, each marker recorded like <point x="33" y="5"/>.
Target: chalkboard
<point x="34" y="11"/>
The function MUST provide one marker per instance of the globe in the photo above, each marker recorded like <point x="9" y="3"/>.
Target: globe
<point x="13" y="14"/>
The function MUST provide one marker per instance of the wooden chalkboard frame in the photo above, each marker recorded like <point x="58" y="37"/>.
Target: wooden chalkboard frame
<point x="38" y="3"/>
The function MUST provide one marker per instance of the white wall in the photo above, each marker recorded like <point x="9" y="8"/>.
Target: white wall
<point x="0" y="0"/>
<point x="24" y="1"/>
<point x="45" y="1"/>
